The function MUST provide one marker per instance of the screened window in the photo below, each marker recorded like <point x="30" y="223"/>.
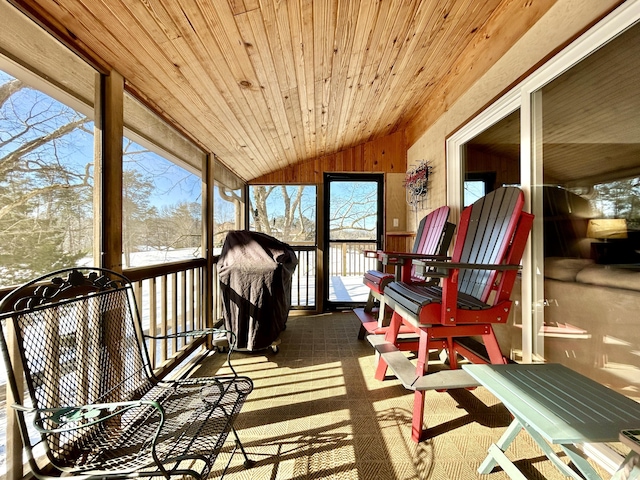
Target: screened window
<point x="46" y="182"/>
<point x="287" y="213"/>
<point x="162" y="209"/>
<point x="162" y="191"/>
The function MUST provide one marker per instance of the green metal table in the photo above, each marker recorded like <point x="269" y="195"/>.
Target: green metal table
<point x="556" y="405"/>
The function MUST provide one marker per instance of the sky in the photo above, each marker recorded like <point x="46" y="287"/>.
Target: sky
<point x="172" y="184"/>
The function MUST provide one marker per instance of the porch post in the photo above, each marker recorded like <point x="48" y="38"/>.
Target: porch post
<point x="109" y="131"/>
<point x="207" y="242"/>
<point x="13" y="456"/>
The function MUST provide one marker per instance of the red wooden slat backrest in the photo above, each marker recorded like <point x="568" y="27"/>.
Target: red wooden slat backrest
<point x="485" y="233"/>
<point x="430" y="234"/>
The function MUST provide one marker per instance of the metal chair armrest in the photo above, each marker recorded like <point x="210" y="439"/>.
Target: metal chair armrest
<point x="77" y="417"/>
<point x="203" y="332"/>
<point x="196" y="333"/>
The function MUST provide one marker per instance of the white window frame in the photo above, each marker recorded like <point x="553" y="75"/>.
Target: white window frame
<point x="527" y="97"/>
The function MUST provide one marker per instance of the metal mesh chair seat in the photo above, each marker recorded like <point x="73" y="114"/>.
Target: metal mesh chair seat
<point x="196" y="426"/>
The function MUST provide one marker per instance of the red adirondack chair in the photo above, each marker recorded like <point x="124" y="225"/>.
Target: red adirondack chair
<point x="489" y="244"/>
<point x="432" y="242"/>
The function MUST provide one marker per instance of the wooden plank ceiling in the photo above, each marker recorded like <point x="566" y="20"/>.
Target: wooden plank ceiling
<point x="265" y="84"/>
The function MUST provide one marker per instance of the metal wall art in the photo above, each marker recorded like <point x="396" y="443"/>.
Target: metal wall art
<point x="417" y="183"/>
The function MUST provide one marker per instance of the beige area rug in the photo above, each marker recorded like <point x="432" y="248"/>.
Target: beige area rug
<point x="317" y="413"/>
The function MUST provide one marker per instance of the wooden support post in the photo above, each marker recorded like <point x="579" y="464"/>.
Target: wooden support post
<point x="207" y="243"/>
<point x="321" y="249"/>
<point x="14" y="444"/>
<point x="109" y="131"/>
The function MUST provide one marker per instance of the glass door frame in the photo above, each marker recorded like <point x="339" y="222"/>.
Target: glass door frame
<point x="328" y="305"/>
<point x="527" y="97"/>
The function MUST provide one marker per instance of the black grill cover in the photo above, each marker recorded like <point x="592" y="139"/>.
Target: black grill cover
<point x="255" y="270"/>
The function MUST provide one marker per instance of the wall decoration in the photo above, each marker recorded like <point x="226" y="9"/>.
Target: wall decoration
<point x="417" y="183"/>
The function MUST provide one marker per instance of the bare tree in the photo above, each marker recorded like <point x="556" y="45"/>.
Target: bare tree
<point x="353" y="211"/>
<point x="281" y="211"/>
<point x="39" y="188"/>
<point x="288" y="221"/>
<point x="29" y="147"/>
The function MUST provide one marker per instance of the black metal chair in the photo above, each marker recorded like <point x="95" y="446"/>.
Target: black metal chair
<point x="95" y="401"/>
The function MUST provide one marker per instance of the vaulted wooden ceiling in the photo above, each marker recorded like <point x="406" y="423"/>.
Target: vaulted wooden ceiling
<point x="264" y="84"/>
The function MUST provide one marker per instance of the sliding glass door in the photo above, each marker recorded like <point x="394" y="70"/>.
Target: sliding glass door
<point x="571" y="129"/>
<point x="588" y="138"/>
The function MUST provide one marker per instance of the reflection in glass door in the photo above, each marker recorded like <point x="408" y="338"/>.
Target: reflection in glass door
<point x="588" y="143"/>
<point x="492" y="160"/>
<point x="353" y="209"/>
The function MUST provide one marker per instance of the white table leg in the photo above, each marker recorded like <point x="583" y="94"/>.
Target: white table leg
<point x="507" y="465"/>
<point x="581" y="463"/>
<point x="504" y="442"/>
<point x="496" y="455"/>
<point x="630" y="468"/>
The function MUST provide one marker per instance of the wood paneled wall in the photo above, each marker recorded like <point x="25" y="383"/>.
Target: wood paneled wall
<point x="386" y="155"/>
<point x="507" y="169"/>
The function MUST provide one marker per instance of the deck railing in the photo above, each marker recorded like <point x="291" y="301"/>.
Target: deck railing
<point x="170" y="299"/>
<point x="347" y="258"/>
<point x="303" y="288"/>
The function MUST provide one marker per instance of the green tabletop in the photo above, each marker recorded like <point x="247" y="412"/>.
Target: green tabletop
<point x="564" y="406"/>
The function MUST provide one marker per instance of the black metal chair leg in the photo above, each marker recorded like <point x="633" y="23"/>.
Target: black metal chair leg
<point x="248" y="463"/>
